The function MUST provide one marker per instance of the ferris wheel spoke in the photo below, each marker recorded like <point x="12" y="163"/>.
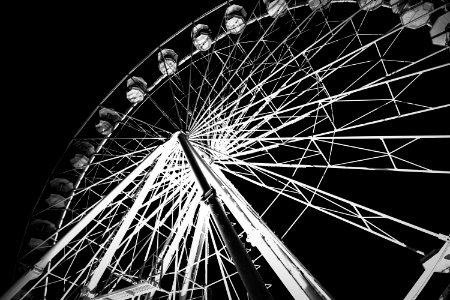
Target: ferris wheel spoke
<point x="201" y="229"/>
<point x="98" y="222"/>
<point x="328" y="197"/>
<point x="151" y="131"/>
<point x="168" y="250"/>
<point x="391" y="93"/>
<point x="420" y="72"/>
<point x="266" y="101"/>
<point x="127" y="250"/>
<point x="331" y="212"/>
<point x="117" y="156"/>
<point x="241" y="65"/>
<point x="378" y="82"/>
<point x="228" y="56"/>
<point x="204" y="81"/>
<point x="365" y="47"/>
<point x="178" y="93"/>
<point x="237" y="112"/>
<point x="338" y="130"/>
<point x="342" y="60"/>
<point x="340" y="167"/>
<point x="257" y="116"/>
<point x="66" y="260"/>
<point x="393" y="100"/>
<point x="164" y="114"/>
<point x="112" y="177"/>
<point x="338" y="28"/>
<point x="281" y="109"/>
<point x="138" y="126"/>
<point x="91" y="214"/>
<point x="126" y="223"/>
<point x="160" y="222"/>
<point x="370" y="151"/>
<point x="196" y="92"/>
<point x="295" y="277"/>
<point x="192" y="66"/>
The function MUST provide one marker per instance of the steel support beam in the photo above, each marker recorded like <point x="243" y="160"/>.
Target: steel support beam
<point x="196" y="250"/>
<point x="296" y="278"/>
<point x="38" y="268"/>
<point x="250" y="277"/>
<point x="126" y="222"/>
<point x="181" y="226"/>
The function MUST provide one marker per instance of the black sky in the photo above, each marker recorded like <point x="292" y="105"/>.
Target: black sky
<point x="62" y="60"/>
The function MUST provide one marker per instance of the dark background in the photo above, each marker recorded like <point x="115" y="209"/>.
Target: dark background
<point x="61" y="61"/>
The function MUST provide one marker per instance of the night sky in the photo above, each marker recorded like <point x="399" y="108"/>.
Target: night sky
<point x="62" y="60"/>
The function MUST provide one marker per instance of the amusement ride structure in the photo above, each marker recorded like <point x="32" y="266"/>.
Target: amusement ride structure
<point x="195" y="175"/>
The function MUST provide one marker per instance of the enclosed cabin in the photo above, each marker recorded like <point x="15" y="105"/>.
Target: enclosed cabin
<point x="79" y="161"/>
<point x="276" y="8"/>
<point x="136" y="89"/>
<point x="440" y="31"/>
<point x="41" y="230"/>
<point x="319" y="4"/>
<point x="61" y="185"/>
<point x="38" y="244"/>
<point x="56" y="201"/>
<point x="83" y="151"/>
<point x="59" y="191"/>
<point x="43" y="226"/>
<point x="167" y="61"/>
<point x="201" y="37"/>
<point x="60" y="188"/>
<point x="416" y="15"/>
<point x="369" y="5"/>
<point x="235" y="17"/>
<point x="108" y="118"/>
<point x="397" y="6"/>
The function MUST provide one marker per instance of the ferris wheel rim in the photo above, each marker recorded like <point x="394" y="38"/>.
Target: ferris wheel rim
<point x="134" y="105"/>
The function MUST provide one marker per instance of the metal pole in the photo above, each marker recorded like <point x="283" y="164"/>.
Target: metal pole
<point x="246" y="269"/>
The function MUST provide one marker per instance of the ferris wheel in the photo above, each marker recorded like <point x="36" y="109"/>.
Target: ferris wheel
<point x="230" y="150"/>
